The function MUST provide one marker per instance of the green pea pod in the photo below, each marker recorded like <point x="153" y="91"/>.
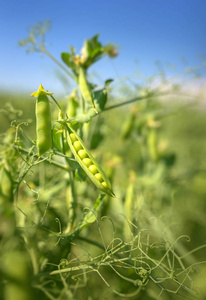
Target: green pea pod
<point x="88" y="163"/>
<point x="43" y="124"/>
<point x="72" y="104"/>
<point x="84" y="87"/>
<point x="43" y="120"/>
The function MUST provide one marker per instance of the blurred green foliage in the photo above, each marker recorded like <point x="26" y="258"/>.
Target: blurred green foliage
<point x="168" y="183"/>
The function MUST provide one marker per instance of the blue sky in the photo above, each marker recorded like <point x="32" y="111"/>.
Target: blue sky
<point x="145" y="30"/>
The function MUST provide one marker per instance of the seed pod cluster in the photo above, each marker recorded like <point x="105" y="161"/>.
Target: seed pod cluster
<point x="88" y="163"/>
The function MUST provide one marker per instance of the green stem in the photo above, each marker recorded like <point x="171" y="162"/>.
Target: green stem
<point x="92" y="242"/>
<point x="139" y="98"/>
<point x="129" y="262"/>
<point x="151" y="94"/>
<point x="47" y="160"/>
<point x="87" y="240"/>
<point x="71" y="204"/>
<point x="32" y="253"/>
<point x="56" y="102"/>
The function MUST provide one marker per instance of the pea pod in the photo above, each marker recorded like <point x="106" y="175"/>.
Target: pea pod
<point x="84" y="87"/>
<point x="43" y="121"/>
<point x="72" y="104"/>
<point x="88" y="163"/>
<point x="43" y="124"/>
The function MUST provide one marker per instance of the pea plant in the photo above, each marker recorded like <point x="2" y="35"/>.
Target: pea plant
<point x="78" y="213"/>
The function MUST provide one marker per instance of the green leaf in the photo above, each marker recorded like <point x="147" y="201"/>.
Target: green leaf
<point x="100" y="96"/>
<point x="92" y="51"/>
<point x="100" y="99"/>
<point x="108" y="81"/>
<point x="67" y="59"/>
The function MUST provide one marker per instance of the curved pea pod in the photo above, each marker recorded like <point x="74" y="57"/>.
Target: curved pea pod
<point x="43" y="124"/>
<point x="84" y="87"/>
<point x="88" y="162"/>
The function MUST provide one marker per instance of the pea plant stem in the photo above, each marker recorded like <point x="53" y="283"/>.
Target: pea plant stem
<point x="130" y="262"/>
<point x="33" y="256"/>
<point x="139" y="98"/>
<point x="119" y="257"/>
<point x="71" y="203"/>
<point x="56" y="102"/>
<point x="71" y="195"/>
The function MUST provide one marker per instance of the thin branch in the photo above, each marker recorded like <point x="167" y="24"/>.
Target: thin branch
<point x="47" y="160"/>
<point x="56" y="102"/>
<point x="151" y="94"/>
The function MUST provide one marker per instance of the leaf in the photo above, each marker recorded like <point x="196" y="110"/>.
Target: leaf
<point x="100" y="99"/>
<point x="108" y="81"/>
<point x="100" y="96"/>
<point x="67" y="59"/>
<point x="92" y="51"/>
